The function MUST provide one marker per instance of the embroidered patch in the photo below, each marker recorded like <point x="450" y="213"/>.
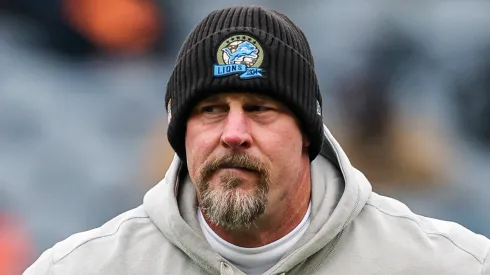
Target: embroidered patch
<point x="239" y="54"/>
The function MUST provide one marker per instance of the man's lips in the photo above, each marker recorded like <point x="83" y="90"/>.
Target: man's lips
<point x="237" y="167"/>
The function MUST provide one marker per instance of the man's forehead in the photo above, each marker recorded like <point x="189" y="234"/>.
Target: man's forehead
<point x="243" y="96"/>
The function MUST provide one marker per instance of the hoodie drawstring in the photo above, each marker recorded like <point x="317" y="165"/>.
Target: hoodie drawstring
<point x="226" y="269"/>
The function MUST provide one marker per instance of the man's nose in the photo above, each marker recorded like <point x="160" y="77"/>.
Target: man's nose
<point x="236" y="132"/>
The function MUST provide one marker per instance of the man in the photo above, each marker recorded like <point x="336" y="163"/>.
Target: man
<point x="258" y="184"/>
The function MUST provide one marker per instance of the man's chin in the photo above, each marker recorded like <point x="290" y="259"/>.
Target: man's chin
<point x="234" y="181"/>
<point x="243" y="189"/>
<point x="238" y="194"/>
<point x="233" y="209"/>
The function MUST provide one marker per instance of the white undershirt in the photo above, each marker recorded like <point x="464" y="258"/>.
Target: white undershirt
<point x="256" y="260"/>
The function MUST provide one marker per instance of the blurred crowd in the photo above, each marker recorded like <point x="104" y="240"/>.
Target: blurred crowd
<point x="83" y="121"/>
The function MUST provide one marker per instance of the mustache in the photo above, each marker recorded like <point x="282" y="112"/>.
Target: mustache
<point x="241" y="161"/>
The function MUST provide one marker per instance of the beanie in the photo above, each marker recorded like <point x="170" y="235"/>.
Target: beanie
<point x="245" y="49"/>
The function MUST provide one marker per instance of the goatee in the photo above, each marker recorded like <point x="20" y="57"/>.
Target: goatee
<point x="226" y="205"/>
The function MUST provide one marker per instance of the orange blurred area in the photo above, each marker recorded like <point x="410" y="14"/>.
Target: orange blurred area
<point x="158" y="154"/>
<point x="412" y="153"/>
<point x="15" y="246"/>
<point x="119" y="26"/>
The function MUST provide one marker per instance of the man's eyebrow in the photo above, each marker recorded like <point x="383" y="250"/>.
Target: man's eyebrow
<point x="262" y="99"/>
<point x="259" y="97"/>
<point x="214" y="98"/>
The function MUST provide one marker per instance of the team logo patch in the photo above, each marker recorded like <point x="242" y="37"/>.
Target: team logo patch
<point x="239" y="54"/>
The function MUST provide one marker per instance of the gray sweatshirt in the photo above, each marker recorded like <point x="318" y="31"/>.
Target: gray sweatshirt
<point x="352" y="231"/>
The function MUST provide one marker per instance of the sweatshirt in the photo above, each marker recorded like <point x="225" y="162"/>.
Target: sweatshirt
<point x="352" y="230"/>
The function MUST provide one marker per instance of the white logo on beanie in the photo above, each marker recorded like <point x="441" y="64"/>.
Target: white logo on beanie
<point x="318" y="108"/>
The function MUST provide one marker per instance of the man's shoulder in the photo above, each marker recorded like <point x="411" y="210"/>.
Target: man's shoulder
<point x="131" y="243"/>
<point x="124" y="224"/>
<point x="431" y="235"/>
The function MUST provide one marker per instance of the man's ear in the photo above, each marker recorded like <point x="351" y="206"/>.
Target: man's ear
<point x="306" y="141"/>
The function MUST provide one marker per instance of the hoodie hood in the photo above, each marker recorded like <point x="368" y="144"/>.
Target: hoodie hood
<point x="339" y="193"/>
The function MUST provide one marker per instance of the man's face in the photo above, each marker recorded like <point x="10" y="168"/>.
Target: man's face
<point x="245" y="154"/>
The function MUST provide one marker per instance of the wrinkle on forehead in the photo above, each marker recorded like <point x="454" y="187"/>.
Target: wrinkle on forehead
<point x="241" y="96"/>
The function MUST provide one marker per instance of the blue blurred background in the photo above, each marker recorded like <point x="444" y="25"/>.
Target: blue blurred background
<point x="82" y="116"/>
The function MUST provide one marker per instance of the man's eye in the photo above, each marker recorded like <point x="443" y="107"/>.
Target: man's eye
<point x="212" y="109"/>
<point x="256" y="108"/>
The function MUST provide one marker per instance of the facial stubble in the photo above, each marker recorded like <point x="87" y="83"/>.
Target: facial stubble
<point x="226" y="205"/>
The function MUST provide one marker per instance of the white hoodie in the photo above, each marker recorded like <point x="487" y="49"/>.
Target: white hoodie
<point x="352" y="231"/>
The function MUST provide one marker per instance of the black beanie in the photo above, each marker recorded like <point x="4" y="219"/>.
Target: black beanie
<point x="245" y="49"/>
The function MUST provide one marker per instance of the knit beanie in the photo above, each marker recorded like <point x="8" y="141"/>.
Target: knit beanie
<point x="245" y="49"/>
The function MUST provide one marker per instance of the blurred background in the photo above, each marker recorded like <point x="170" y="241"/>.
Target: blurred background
<point x="83" y="123"/>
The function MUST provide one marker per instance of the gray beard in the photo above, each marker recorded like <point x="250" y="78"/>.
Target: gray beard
<point x="230" y="208"/>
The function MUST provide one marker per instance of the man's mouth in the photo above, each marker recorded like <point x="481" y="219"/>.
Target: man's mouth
<point x="238" y="167"/>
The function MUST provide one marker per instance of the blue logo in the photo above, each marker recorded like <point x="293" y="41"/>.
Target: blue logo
<point x="239" y="54"/>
